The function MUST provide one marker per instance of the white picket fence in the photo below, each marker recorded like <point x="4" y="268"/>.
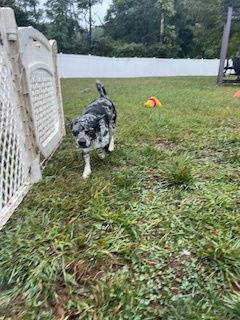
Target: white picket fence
<point x="31" y="113"/>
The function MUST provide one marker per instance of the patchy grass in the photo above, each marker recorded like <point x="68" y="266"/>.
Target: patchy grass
<point x="154" y="233"/>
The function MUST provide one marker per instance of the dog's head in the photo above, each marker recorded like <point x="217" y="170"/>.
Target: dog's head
<point x="86" y="130"/>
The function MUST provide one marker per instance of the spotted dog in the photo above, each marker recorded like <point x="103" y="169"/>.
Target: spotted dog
<point x="95" y="128"/>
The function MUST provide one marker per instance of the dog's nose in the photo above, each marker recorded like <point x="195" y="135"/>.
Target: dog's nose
<point x="82" y="142"/>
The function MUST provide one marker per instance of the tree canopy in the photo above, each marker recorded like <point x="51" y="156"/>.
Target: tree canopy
<point x="145" y="28"/>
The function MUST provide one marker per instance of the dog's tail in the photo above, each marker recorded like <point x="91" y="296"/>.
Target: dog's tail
<point x="101" y="89"/>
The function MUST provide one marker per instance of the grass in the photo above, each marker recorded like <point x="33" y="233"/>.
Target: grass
<point x="154" y="233"/>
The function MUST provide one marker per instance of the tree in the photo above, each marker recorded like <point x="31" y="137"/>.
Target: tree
<point x="87" y="5"/>
<point x="183" y="25"/>
<point x="63" y="24"/>
<point x="148" y="22"/>
<point x="27" y="13"/>
<point x="205" y="22"/>
<point x="133" y="21"/>
<point x="22" y="16"/>
<point x="31" y="9"/>
<point x="146" y="28"/>
<point x="66" y="20"/>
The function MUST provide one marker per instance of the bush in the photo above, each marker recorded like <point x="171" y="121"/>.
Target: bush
<point x="102" y="47"/>
<point x="159" y="50"/>
<point x="130" y="50"/>
<point x="107" y="47"/>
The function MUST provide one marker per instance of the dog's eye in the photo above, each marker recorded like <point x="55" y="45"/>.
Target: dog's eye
<point x="90" y="133"/>
<point x="75" y="132"/>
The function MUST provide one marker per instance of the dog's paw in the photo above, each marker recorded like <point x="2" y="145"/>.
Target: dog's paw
<point x="86" y="174"/>
<point x="111" y="148"/>
<point x="111" y="145"/>
<point x="102" y="154"/>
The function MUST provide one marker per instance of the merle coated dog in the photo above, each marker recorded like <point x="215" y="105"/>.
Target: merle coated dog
<point x="95" y="129"/>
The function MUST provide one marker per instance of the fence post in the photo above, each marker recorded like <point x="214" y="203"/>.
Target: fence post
<point x="19" y="77"/>
<point x="53" y="44"/>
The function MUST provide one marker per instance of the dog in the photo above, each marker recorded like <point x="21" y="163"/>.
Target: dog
<point x="95" y="129"/>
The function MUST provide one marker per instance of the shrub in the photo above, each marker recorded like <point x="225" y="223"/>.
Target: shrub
<point x="130" y="50"/>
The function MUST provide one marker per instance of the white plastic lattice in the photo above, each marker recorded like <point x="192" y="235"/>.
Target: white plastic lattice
<point x="45" y="107"/>
<point x="12" y="174"/>
<point x="31" y="114"/>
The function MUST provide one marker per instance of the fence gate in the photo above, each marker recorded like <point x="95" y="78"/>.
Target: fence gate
<point x="14" y="163"/>
<point x="38" y="61"/>
<point x="31" y="114"/>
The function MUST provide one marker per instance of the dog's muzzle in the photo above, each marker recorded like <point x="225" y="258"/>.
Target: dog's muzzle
<point x="82" y="143"/>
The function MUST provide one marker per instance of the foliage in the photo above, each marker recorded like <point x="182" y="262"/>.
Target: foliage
<point x="133" y="21"/>
<point x="192" y="27"/>
<point x="26" y="12"/>
<point x="143" y="28"/>
<point x="154" y="233"/>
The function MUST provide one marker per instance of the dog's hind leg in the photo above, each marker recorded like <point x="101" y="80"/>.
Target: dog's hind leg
<point x="87" y="169"/>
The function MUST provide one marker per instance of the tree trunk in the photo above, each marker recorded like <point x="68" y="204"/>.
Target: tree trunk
<point x="90" y="23"/>
<point x="162" y="26"/>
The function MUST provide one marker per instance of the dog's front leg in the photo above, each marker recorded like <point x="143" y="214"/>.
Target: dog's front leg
<point x="111" y="141"/>
<point x="111" y="144"/>
<point x="87" y="169"/>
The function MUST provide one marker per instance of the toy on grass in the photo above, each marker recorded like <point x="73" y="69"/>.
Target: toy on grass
<point x="237" y="94"/>
<point x="152" y="102"/>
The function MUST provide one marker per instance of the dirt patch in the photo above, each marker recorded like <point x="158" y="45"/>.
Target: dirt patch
<point x="178" y="264"/>
<point x="228" y="154"/>
<point x="59" y="307"/>
<point x="59" y="311"/>
<point x="209" y="155"/>
<point x="86" y="90"/>
<point x="84" y="272"/>
<point x="18" y="310"/>
<point x="152" y="176"/>
<point x="236" y="286"/>
<point x="162" y="144"/>
<point x="153" y="172"/>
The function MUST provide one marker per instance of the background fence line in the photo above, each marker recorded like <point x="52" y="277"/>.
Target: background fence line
<point x="86" y="66"/>
<point x="31" y="113"/>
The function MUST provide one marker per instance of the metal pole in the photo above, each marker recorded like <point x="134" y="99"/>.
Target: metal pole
<point x="224" y="48"/>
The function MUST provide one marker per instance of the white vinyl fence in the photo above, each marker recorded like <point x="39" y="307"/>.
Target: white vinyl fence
<point x="31" y="116"/>
<point x="82" y="66"/>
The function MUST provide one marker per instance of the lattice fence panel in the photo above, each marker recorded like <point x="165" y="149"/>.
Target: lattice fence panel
<point x="31" y="114"/>
<point x="38" y="59"/>
<point x="14" y="178"/>
<point x="45" y="107"/>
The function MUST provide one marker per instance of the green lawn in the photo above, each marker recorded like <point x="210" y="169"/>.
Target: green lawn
<point x="154" y="233"/>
